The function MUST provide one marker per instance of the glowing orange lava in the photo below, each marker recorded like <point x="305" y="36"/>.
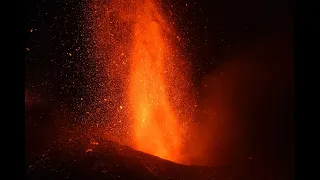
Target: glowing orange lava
<point x="137" y="50"/>
<point x="156" y="128"/>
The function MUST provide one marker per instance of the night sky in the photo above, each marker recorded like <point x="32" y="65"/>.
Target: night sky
<point x="250" y="40"/>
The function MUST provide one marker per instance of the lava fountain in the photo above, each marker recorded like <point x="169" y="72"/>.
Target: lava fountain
<point x="156" y="129"/>
<point x="154" y="83"/>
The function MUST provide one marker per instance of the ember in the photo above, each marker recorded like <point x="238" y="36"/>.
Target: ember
<point x="89" y="150"/>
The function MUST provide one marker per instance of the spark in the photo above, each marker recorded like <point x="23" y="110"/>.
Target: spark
<point x="88" y="150"/>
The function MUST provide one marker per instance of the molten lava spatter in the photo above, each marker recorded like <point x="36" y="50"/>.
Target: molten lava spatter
<point x="144" y="81"/>
<point x="156" y="128"/>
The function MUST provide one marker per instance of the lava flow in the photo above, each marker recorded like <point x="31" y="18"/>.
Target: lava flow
<point x="151" y="75"/>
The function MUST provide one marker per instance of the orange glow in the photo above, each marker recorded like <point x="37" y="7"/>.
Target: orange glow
<point x="147" y="94"/>
<point x="156" y="129"/>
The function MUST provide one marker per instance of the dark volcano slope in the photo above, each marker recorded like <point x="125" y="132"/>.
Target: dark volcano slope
<point x="95" y="160"/>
